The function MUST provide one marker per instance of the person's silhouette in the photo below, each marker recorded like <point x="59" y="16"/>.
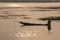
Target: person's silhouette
<point x="49" y="25"/>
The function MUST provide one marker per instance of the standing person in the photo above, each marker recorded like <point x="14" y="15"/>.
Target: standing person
<point x="49" y="25"/>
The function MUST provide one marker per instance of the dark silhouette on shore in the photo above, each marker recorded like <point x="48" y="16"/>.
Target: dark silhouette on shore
<point x="49" y="25"/>
<point x="34" y="24"/>
<point x="31" y="24"/>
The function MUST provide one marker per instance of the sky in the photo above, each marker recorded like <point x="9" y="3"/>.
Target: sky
<point x="29" y="0"/>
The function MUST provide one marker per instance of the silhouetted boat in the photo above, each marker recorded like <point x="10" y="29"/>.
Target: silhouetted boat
<point x="34" y="24"/>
